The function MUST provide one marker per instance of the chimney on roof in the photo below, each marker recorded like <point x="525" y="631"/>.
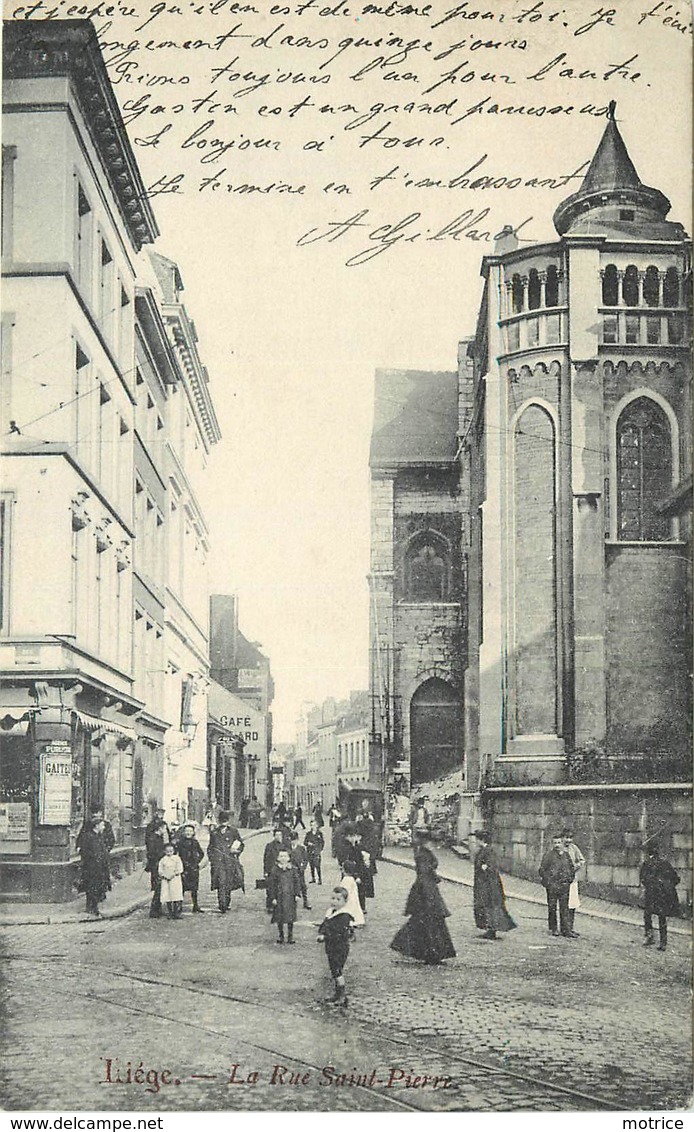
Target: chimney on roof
<point x="506" y="241"/>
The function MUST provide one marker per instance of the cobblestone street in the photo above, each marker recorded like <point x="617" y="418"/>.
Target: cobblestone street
<point x="527" y="1023"/>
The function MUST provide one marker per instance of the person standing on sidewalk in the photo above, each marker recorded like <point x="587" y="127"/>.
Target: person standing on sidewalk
<point x="95" y="879"/>
<point x="578" y="861"/>
<point x="659" y="881"/>
<point x="489" y="899"/>
<point x="191" y="853"/>
<point x="315" y="843"/>
<point x="155" y="841"/>
<point x="556" y="873"/>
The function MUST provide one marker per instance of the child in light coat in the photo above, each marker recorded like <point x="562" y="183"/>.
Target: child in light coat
<point x="171" y="877"/>
<point x="350" y="884"/>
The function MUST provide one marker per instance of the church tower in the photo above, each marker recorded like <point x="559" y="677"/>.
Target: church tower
<point x="580" y="457"/>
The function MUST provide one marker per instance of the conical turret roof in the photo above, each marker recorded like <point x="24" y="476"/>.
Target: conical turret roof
<point x="611" y="180"/>
<point x="611" y="167"/>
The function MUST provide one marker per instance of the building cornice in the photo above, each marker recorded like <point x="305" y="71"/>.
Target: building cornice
<point x="69" y="49"/>
<point x="155" y="337"/>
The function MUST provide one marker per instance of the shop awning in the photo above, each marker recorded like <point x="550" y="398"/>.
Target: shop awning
<point x="14" y="725"/>
<point x="93" y="723"/>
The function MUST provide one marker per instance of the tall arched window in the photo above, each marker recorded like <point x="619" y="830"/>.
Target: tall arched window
<point x="552" y="287"/>
<point x="533" y="290"/>
<point x="630" y="286"/>
<point x="610" y="286"/>
<point x="671" y="288"/>
<point x="651" y="287"/>
<point x="427" y="569"/>
<point x="517" y="294"/>
<point x="644" y="471"/>
<point x="435" y="731"/>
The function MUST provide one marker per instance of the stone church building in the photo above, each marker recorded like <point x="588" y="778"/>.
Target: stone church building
<point x="531" y="521"/>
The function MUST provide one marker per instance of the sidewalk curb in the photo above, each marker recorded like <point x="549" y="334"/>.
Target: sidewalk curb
<point x="616" y="917"/>
<point x="113" y="914"/>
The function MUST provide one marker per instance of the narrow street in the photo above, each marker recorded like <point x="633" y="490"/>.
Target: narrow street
<point x="528" y="1023"/>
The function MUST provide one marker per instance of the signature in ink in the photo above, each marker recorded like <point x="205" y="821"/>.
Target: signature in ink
<point x="468" y="225"/>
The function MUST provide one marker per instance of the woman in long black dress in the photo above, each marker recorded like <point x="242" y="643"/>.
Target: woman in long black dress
<point x="425" y="935"/>
<point x="489" y="899"/>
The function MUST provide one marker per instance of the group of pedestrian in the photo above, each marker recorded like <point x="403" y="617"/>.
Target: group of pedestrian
<point x="173" y="860"/>
<point x="426" y="937"/>
<point x="285" y="863"/>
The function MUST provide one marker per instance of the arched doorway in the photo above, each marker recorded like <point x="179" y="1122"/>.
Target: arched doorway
<point x="435" y="731"/>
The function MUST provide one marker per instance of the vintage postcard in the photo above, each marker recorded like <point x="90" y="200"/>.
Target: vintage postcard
<point x="345" y="560"/>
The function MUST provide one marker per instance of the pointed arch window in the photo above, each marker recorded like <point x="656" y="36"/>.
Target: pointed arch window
<point x="610" y="286"/>
<point x="644" y="471"/>
<point x="427" y="569"/>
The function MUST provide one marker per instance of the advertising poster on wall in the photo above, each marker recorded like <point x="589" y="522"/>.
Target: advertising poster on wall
<point x="55" y="784"/>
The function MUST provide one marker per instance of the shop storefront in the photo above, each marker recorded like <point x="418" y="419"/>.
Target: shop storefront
<point x="56" y="763"/>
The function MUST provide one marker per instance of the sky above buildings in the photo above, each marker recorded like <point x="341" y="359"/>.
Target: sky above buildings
<point x="298" y="296"/>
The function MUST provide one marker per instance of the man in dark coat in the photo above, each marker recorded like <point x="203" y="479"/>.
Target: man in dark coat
<point x="157" y="836"/>
<point x="556" y="873"/>
<point x="489" y="899"/>
<point x="659" y="881"/>
<point x="97" y="818"/>
<point x="368" y="831"/>
<point x="270" y="855"/>
<point x="315" y="844"/>
<point x="340" y="844"/>
<point x="95" y="879"/>
<point x="157" y="820"/>
<point x="226" y="870"/>
<point x="191" y="854"/>
<point x="299" y="859"/>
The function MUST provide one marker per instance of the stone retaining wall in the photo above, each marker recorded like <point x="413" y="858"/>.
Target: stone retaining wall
<point x="610" y="825"/>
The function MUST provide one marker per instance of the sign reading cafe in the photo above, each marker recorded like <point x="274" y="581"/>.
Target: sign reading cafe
<point x="55" y="783"/>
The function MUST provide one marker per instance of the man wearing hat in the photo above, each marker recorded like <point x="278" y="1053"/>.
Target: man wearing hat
<point x="659" y="881"/>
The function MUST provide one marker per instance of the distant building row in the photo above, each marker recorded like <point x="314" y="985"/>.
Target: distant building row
<point x="330" y="754"/>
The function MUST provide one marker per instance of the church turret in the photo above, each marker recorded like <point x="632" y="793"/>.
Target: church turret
<point x="612" y="200"/>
